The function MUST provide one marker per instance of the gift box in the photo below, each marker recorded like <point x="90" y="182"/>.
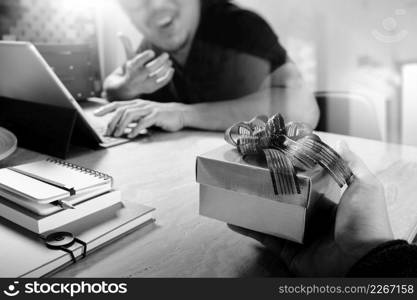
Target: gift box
<point x="239" y="189"/>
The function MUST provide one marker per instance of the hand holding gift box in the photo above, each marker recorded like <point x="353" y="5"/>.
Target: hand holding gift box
<point x="341" y="236"/>
<point x="270" y="177"/>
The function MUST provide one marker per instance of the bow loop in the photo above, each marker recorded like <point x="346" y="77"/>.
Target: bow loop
<point x="276" y="126"/>
<point x="247" y="145"/>
<point x="298" y="130"/>
<point x="285" y="147"/>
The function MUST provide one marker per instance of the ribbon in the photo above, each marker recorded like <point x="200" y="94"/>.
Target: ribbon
<point x="287" y="147"/>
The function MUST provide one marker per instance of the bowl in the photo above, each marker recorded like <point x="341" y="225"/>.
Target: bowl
<point x="8" y="143"/>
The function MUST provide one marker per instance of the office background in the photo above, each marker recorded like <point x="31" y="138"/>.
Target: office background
<point x="365" y="48"/>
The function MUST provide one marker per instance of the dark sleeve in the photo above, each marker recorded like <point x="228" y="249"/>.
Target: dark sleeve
<point x="392" y="259"/>
<point x="247" y="32"/>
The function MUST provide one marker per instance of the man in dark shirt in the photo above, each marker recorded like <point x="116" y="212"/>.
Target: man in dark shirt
<point x="203" y="64"/>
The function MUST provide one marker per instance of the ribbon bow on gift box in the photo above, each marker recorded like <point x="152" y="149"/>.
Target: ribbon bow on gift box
<point x="286" y="147"/>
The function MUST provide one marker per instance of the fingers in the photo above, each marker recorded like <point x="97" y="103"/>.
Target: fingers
<point x="109" y="108"/>
<point x="139" y="60"/>
<point x="144" y="123"/>
<point x="123" y="114"/>
<point x="127" y="45"/>
<point x="114" y="122"/>
<point x="129" y="116"/>
<point x="157" y="73"/>
<point x="106" y="109"/>
<point x="165" y="79"/>
<point x="158" y="63"/>
<point x="358" y="167"/>
<point x="161" y="70"/>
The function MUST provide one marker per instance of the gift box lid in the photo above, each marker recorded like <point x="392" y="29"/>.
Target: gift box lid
<point x="226" y="168"/>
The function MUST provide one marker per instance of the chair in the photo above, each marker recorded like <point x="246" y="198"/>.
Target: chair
<point x="348" y="114"/>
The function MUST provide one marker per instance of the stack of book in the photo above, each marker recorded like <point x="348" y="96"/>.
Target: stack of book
<point x="51" y="197"/>
<point x="47" y="195"/>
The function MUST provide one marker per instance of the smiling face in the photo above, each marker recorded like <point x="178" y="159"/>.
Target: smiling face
<point x="168" y="24"/>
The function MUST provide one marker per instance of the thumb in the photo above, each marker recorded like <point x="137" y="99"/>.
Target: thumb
<point x="358" y="167"/>
<point x="127" y="45"/>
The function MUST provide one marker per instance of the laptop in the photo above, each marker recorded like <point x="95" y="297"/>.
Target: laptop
<point x="25" y="75"/>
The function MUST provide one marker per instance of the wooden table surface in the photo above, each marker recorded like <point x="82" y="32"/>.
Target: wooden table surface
<point x="160" y="172"/>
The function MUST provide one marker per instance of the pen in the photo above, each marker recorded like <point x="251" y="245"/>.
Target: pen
<point x="66" y="205"/>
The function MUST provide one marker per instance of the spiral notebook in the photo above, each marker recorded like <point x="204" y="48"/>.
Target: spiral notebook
<point x="64" y="175"/>
<point x="38" y="185"/>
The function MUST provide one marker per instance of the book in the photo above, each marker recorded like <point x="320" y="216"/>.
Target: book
<point x="47" y="186"/>
<point x="42" y="224"/>
<point x="96" y="230"/>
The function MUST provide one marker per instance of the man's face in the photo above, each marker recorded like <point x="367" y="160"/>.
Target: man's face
<point x="167" y="24"/>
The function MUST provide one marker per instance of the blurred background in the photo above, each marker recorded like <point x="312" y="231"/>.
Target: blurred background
<point x="358" y="56"/>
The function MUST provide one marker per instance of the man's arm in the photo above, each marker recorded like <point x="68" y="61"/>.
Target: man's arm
<point x="283" y="92"/>
<point x="391" y="259"/>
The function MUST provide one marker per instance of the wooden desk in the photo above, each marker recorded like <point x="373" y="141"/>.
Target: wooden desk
<point x="160" y="172"/>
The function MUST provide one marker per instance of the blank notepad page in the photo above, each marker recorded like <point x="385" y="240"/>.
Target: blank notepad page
<point x="63" y="174"/>
<point x="29" y="188"/>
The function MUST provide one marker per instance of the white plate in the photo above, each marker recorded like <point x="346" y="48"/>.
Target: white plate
<point x="8" y="143"/>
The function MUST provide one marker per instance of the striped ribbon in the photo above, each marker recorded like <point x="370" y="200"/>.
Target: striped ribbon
<point x="286" y="148"/>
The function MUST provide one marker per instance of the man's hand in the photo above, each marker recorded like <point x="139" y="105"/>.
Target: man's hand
<point x="167" y="116"/>
<point x="141" y="74"/>
<point x="340" y="235"/>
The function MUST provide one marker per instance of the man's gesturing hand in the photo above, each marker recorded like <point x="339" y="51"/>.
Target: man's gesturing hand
<point x="339" y="235"/>
<point x="167" y="116"/>
<point x="142" y="73"/>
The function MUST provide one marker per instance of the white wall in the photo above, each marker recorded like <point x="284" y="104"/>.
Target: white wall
<point x="350" y="55"/>
<point x="113" y="20"/>
<point x="343" y="30"/>
<point x="409" y="105"/>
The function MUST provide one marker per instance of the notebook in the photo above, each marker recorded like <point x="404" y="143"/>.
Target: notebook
<point x="43" y="224"/>
<point x="47" y="186"/>
<point x="28" y="188"/>
<point x="44" y="209"/>
<point x="64" y="175"/>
